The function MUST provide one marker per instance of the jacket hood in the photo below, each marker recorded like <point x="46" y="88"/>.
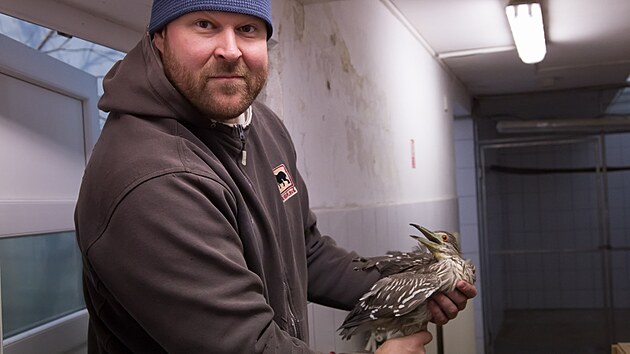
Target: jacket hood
<point x="137" y="85"/>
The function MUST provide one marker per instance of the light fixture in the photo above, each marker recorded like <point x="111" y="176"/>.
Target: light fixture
<point x="526" y="23"/>
<point x="609" y="124"/>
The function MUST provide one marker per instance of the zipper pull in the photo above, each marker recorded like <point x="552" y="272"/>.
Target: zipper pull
<point x="241" y="135"/>
<point x="244" y="157"/>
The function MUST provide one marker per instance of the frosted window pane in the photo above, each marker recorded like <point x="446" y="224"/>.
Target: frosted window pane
<point x="41" y="280"/>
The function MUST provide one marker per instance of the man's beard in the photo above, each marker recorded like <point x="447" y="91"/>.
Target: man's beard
<point x="211" y="101"/>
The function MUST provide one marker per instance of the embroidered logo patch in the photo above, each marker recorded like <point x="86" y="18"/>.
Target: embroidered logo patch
<point x="285" y="182"/>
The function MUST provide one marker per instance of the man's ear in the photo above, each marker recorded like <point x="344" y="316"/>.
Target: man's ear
<point x="158" y="39"/>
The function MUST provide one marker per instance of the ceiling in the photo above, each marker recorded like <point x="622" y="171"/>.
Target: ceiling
<point x="588" y="41"/>
<point x="588" y="44"/>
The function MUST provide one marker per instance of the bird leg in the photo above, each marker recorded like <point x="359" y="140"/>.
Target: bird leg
<point x="377" y="337"/>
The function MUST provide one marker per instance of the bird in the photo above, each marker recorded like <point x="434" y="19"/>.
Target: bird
<point x="396" y="305"/>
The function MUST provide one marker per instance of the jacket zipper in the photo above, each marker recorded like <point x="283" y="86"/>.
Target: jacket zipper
<point x="293" y="321"/>
<point x="295" y="328"/>
<point x="241" y="135"/>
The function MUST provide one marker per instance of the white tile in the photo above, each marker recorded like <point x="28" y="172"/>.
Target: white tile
<point x="393" y="222"/>
<point x="466" y="182"/>
<point x="410" y="213"/>
<point x="357" y="240"/>
<point x="615" y="140"/>
<point x="368" y="231"/>
<point x="464" y="153"/>
<point x="383" y="230"/>
<point x="614" y="156"/>
<point x="463" y="129"/>
<point x="338" y="228"/>
<point x="354" y="344"/>
<point x="324" y="331"/>
<point x="615" y="197"/>
<point x="468" y="210"/>
<point x="469" y="238"/>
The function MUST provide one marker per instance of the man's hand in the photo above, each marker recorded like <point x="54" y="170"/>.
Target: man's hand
<point x="412" y="344"/>
<point x="445" y="306"/>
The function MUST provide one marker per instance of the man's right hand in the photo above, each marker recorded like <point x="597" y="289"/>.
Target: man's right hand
<point x="412" y="344"/>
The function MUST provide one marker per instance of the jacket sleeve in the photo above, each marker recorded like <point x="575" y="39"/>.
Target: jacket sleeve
<point x="171" y="257"/>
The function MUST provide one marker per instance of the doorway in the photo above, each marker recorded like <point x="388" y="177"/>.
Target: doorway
<point x="556" y="261"/>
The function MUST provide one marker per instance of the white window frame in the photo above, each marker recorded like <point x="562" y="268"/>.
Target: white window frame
<point x="27" y="64"/>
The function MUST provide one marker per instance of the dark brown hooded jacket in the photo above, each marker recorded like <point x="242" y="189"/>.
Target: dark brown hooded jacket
<point x="186" y="250"/>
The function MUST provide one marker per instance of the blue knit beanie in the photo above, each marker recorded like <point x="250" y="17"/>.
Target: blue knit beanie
<point x="165" y="11"/>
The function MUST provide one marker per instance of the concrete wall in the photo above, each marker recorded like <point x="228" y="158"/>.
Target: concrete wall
<point x="354" y="87"/>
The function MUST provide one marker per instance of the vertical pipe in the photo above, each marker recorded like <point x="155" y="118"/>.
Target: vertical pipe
<point x="604" y="226"/>
<point x="440" y="339"/>
<point x="484" y="252"/>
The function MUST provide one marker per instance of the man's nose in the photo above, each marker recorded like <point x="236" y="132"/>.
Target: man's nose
<point x="227" y="46"/>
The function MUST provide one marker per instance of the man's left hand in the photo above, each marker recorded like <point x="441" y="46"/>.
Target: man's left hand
<point x="445" y="306"/>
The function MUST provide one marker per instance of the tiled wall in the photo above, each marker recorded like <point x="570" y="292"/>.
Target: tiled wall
<point x="494" y="298"/>
<point x="468" y="218"/>
<point x="618" y="155"/>
<point x="546" y="229"/>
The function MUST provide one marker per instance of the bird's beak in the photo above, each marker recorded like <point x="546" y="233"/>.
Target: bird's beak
<point x="429" y="239"/>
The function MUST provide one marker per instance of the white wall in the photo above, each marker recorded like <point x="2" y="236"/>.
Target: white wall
<point x="385" y="89"/>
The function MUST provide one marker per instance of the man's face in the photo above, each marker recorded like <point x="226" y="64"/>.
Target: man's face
<point x="217" y="60"/>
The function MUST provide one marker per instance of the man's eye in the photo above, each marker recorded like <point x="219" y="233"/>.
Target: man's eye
<point x="248" y="29"/>
<point x="204" y="24"/>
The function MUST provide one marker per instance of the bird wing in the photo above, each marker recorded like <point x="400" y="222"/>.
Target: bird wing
<point x="396" y="262"/>
<point x="470" y="273"/>
<point x="393" y="296"/>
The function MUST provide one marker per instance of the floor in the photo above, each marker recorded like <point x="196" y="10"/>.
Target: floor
<point x="562" y="331"/>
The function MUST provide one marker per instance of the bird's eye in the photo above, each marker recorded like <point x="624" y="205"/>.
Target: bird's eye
<point x="444" y="237"/>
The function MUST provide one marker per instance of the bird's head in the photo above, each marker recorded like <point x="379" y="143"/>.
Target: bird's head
<point x="440" y="243"/>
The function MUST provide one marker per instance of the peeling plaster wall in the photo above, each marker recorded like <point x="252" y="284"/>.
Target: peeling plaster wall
<point x="354" y="87"/>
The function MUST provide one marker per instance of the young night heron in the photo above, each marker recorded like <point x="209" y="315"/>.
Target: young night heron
<point x="396" y="305"/>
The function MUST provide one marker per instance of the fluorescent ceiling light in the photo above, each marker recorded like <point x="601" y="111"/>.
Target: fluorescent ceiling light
<point x="608" y="124"/>
<point x="526" y="24"/>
